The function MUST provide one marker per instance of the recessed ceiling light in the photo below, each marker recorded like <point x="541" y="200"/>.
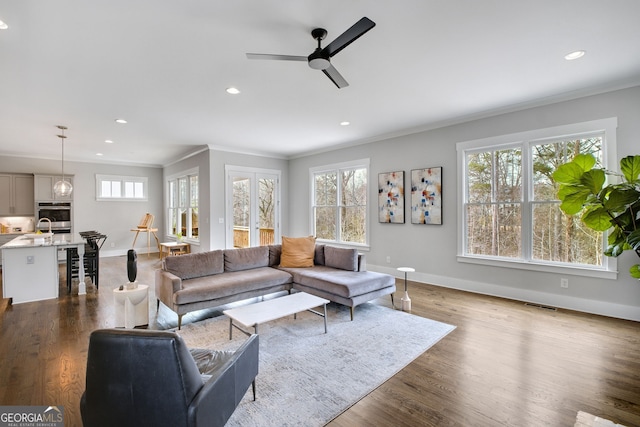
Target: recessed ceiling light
<point x="233" y="90"/>
<point x="3" y="25"/>
<point x="108" y="141"/>
<point x="345" y="123"/>
<point x="121" y="121"/>
<point x="99" y="154"/>
<point x="574" y="55"/>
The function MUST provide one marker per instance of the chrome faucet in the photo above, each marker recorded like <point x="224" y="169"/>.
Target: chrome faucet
<point x="44" y="219"/>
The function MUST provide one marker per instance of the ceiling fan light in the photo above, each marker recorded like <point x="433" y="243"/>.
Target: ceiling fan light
<point x="319" y="63"/>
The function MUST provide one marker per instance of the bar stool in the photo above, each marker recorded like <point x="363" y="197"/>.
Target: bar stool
<point x="95" y="241"/>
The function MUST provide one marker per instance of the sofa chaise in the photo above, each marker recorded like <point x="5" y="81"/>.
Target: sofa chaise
<point x="201" y="280"/>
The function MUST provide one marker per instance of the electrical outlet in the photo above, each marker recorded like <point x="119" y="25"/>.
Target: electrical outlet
<point x="113" y="244"/>
<point x="388" y="259"/>
<point x="564" y="283"/>
<point x="31" y="259"/>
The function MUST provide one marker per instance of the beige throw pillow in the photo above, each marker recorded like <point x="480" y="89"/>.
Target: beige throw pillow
<point x="297" y="251"/>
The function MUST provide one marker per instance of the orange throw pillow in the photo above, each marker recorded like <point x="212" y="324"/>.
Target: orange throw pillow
<point x="297" y="251"/>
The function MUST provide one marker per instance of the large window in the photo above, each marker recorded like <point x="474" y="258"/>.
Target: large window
<point x="509" y="207"/>
<point x="339" y="202"/>
<point x="182" y="206"/>
<point x="116" y="187"/>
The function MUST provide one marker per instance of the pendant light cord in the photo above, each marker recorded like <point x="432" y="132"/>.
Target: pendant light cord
<point x="62" y="138"/>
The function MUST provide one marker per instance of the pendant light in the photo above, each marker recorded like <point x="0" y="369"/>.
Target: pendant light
<point x="62" y="188"/>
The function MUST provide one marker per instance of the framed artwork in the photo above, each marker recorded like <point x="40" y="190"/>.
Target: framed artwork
<point x="426" y="196"/>
<point x="391" y="197"/>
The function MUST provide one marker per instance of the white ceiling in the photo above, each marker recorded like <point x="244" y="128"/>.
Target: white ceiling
<point x="164" y="66"/>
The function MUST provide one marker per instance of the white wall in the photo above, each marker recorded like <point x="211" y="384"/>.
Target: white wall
<point x="432" y="249"/>
<point x="211" y="165"/>
<point x="115" y="219"/>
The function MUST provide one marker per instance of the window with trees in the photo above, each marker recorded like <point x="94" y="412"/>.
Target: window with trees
<point x="339" y="203"/>
<point x="182" y="206"/>
<point x="510" y="209"/>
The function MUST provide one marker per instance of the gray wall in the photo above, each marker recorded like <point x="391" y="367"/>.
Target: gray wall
<point x="432" y="250"/>
<point x="211" y="164"/>
<point x="115" y="219"/>
<point x="218" y="159"/>
<point x="200" y="161"/>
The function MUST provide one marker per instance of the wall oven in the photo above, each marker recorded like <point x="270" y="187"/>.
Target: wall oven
<point x="59" y="213"/>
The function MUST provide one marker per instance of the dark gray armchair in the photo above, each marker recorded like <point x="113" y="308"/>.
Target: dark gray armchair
<point x="138" y="377"/>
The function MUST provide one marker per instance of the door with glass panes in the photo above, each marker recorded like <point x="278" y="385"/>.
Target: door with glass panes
<point x="252" y="214"/>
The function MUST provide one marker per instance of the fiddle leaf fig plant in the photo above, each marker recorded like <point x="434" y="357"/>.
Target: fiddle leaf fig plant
<point x="614" y="207"/>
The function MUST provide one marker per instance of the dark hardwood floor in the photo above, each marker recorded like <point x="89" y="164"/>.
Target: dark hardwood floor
<point x="506" y="364"/>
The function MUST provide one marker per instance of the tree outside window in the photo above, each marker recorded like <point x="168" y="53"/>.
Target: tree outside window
<point x="182" y="206"/>
<point x="340" y="203"/>
<point x="511" y="208"/>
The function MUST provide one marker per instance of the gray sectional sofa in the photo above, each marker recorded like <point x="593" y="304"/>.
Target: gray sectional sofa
<point x="201" y="280"/>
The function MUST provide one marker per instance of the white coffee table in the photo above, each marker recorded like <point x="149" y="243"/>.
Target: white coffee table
<point x="254" y="314"/>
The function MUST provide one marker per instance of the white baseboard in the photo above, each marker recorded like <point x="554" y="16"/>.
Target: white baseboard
<point x="602" y="308"/>
<point x="123" y="252"/>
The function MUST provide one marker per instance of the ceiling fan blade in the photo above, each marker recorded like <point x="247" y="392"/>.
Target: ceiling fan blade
<point x="277" y="57"/>
<point x="349" y="36"/>
<point x="335" y="77"/>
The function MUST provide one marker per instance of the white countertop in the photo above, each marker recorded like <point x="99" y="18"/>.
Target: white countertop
<point x="57" y="240"/>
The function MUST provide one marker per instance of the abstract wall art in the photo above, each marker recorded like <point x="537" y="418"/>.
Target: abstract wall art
<point x="391" y="197"/>
<point x="426" y="196"/>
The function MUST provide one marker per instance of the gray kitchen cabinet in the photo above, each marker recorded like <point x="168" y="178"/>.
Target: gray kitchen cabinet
<point x="16" y="195"/>
<point x="44" y="188"/>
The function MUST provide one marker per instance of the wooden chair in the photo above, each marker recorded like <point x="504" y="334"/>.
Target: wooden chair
<point x="146" y="226"/>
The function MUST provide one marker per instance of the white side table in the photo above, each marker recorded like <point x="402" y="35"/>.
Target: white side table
<point x="406" y="301"/>
<point x="132" y="306"/>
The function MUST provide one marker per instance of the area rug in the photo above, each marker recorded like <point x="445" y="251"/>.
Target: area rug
<point x="585" y="419"/>
<point x="307" y="377"/>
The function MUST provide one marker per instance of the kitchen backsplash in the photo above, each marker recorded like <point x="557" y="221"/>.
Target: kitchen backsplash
<point x="17" y="224"/>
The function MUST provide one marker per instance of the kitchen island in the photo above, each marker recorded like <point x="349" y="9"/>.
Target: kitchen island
<point x="30" y="266"/>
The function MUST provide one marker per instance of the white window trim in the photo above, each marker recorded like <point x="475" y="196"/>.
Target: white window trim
<point x="122" y="178"/>
<point x="361" y="163"/>
<point x="175" y="176"/>
<point x="609" y="159"/>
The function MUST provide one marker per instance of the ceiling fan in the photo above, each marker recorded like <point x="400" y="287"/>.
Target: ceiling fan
<point x="320" y="58"/>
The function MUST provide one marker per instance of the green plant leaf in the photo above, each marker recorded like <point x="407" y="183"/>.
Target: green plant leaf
<point x="616" y="236"/>
<point x="573" y="199"/>
<point x="630" y="167"/>
<point x="614" y="250"/>
<point x="585" y="161"/>
<point x="635" y="271"/>
<point x="619" y="198"/>
<point x="634" y="239"/>
<point x="593" y="180"/>
<point x="568" y="173"/>
<point x="597" y="219"/>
